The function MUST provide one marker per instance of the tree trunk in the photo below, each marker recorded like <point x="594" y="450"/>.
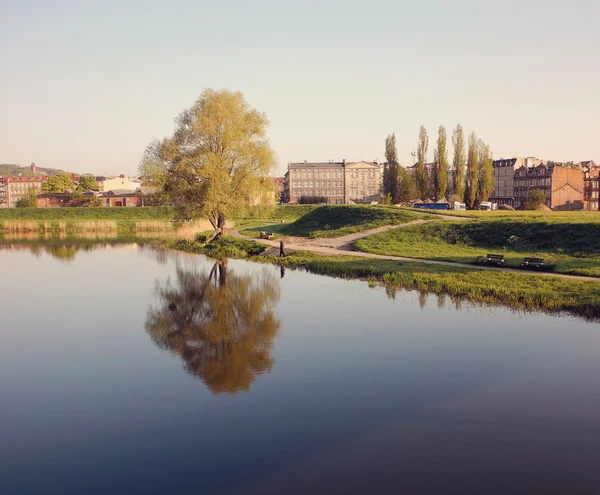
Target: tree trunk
<point x="221" y="224"/>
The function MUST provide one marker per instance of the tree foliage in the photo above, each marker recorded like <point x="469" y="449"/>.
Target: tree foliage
<point x="222" y="325"/>
<point x="421" y="176"/>
<point x="535" y="199"/>
<point x="440" y="172"/>
<point x="459" y="162"/>
<point x="390" y="169"/>
<point x="217" y="161"/>
<point x="29" y="199"/>
<point x="486" y="172"/>
<point x="407" y="189"/>
<point x="87" y="183"/>
<point x="472" y="183"/>
<point x="59" y="184"/>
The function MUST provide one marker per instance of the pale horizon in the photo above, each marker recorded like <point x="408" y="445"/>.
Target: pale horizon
<point x="86" y="87"/>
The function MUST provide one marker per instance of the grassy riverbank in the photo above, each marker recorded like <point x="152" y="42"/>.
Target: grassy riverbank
<point x="573" y="248"/>
<point x="526" y="291"/>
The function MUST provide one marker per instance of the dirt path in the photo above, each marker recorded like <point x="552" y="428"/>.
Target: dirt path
<point x="343" y="246"/>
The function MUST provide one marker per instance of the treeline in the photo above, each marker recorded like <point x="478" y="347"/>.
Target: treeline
<point x="468" y="179"/>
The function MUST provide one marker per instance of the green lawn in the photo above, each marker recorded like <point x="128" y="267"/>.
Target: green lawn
<point x="524" y="215"/>
<point x="573" y="248"/>
<point x="336" y="221"/>
<point x="143" y="213"/>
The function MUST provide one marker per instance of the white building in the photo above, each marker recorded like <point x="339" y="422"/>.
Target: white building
<point x="106" y="184"/>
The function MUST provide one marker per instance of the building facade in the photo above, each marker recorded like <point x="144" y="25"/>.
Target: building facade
<point x="339" y="182"/>
<point x="591" y="182"/>
<point x="280" y="188"/>
<point x="562" y="185"/>
<point x="504" y="172"/>
<point x="12" y="189"/>
<point x="106" y="184"/>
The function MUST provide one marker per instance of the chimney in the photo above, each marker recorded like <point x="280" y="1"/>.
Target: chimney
<point x="33" y="169"/>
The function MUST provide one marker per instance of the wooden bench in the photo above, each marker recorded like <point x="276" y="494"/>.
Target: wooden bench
<point x="494" y="259"/>
<point x="535" y="263"/>
<point x="266" y="235"/>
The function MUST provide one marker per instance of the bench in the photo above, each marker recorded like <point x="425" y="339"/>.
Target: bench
<point x="494" y="259"/>
<point x="535" y="263"/>
<point x="266" y="235"/>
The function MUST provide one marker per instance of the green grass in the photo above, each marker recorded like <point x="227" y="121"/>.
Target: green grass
<point x="523" y="215"/>
<point x="521" y="291"/>
<point x="573" y="248"/>
<point x="336" y="221"/>
<point x="143" y="213"/>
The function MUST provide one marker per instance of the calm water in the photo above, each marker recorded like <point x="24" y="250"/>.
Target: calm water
<point x="127" y="370"/>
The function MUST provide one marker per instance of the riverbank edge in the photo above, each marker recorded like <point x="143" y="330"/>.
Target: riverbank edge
<point x="526" y="292"/>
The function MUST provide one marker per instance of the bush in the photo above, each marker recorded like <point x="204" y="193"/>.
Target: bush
<point x="535" y="199"/>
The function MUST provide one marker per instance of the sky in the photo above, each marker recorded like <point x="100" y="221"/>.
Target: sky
<point x="86" y="85"/>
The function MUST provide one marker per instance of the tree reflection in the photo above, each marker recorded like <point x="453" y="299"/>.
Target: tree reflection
<point x="221" y="324"/>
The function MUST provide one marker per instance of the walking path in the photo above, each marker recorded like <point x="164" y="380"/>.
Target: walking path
<point x="344" y="246"/>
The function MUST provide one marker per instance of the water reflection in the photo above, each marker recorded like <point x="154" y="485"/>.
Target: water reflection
<point x="64" y="252"/>
<point x="221" y="324"/>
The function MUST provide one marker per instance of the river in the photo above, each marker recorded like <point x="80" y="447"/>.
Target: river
<point x="127" y="369"/>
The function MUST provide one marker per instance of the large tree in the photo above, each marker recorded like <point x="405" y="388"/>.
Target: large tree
<point x="421" y="176"/>
<point x="390" y="169"/>
<point x="472" y="183"/>
<point x="221" y="324"/>
<point x="459" y="162"/>
<point x="59" y="184"/>
<point x="486" y="172"/>
<point x="440" y="172"/>
<point x="153" y="172"/>
<point x="217" y="161"/>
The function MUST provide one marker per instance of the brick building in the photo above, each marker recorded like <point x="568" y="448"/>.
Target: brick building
<point x="12" y="189"/>
<point x="52" y="200"/>
<point x="280" y="187"/>
<point x="121" y="198"/>
<point x="591" y="182"/>
<point x="504" y="172"/>
<point x="562" y="185"/>
<point x="340" y="182"/>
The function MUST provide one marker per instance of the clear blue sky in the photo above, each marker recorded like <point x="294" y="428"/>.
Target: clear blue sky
<point x="85" y="85"/>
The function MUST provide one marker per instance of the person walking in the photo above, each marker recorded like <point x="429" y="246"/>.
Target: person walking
<point x="281" y="251"/>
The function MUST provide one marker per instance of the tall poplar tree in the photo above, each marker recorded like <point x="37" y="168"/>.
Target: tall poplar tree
<point x="440" y="177"/>
<point x="486" y="172"/>
<point x="472" y="184"/>
<point x="459" y="161"/>
<point x="421" y="176"/>
<point x="390" y="170"/>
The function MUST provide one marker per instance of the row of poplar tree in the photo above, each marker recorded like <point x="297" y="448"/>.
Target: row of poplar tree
<point x="469" y="178"/>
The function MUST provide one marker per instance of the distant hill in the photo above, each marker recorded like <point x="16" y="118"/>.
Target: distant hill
<point x="9" y="170"/>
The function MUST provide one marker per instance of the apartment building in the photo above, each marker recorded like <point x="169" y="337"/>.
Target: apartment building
<point x="591" y="183"/>
<point x="12" y="189"/>
<point x="504" y="172"/>
<point x="339" y="182"/>
<point x="562" y="184"/>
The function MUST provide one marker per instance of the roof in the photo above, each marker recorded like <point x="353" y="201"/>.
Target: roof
<point x="505" y="162"/>
<point x="330" y="164"/>
<point x="119" y="192"/>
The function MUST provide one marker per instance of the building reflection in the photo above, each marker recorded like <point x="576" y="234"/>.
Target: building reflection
<point x="221" y="324"/>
